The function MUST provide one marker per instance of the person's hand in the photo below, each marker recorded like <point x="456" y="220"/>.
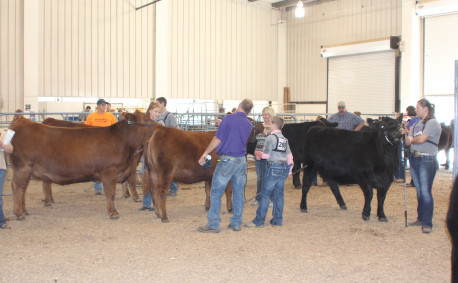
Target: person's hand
<point x="290" y="173"/>
<point x="202" y="159"/>
<point x="258" y="155"/>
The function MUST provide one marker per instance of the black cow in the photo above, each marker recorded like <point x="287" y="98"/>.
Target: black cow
<point x="446" y="143"/>
<point x="369" y="159"/>
<point x="452" y="226"/>
<point x="295" y="133"/>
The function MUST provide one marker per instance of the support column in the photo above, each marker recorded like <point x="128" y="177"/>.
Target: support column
<point x="32" y="48"/>
<point x="411" y="63"/>
<point x="162" y="41"/>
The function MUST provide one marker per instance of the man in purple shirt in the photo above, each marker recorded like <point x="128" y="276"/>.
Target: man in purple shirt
<point x="230" y="143"/>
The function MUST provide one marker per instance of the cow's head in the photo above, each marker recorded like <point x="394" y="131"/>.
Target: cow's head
<point x="257" y="128"/>
<point x="390" y="128"/>
<point x="138" y="118"/>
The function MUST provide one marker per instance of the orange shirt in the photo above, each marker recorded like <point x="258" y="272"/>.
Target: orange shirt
<point x="100" y="120"/>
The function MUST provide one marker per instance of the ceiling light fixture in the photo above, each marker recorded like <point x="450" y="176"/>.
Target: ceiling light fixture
<point x="299" y="12"/>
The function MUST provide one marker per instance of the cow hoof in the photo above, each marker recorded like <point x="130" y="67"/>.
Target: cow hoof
<point x="114" y="217"/>
<point x="136" y="200"/>
<point x="48" y="204"/>
<point x="166" y="220"/>
<point x="298" y="187"/>
<point x="304" y="210"/>
<point x="230" y="210"/>
<point x="383" y="219"/>
<point x="343" y="207"/>
<point x="207" y="209"/>
<point x="20" y="218"/>
<point x="365" y="218"/>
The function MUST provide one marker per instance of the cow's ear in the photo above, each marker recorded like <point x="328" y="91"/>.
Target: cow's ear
<point x="399" y="119"/>
<point x="370" y="121"/>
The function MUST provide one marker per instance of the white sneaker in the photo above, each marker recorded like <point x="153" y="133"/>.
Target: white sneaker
<point x="271" y="204"/>
<point x="254" y="203"/>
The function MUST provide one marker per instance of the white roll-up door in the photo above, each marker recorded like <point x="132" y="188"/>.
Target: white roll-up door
<point x="441" y="51"/>
<point x="365" y="82"/>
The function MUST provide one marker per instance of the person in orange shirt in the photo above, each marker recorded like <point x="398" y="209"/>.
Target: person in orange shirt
<point x="100" y="118"/>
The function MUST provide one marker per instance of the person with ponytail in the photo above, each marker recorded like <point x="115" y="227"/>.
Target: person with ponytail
<point x="423" y="139"/>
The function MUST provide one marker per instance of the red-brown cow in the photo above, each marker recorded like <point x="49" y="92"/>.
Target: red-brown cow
<point x="172" y="155"/>
<point x="131" y="181"/>
<point x="73" y="155"/>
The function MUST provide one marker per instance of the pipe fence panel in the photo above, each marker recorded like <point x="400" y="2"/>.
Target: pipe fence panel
<point x="198" y="122"/>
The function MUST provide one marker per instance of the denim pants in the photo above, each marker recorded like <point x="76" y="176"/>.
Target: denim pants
<point x="147" y="197"/>
<point x="98" y="186"/>
<point x="274" y="184"/>
<point x="228" y="169"/>
<point x="423" y="170"/>
<point x="261" y="166"/>
<point x="174" y="187"/>
<point x="147" y="200"/>
<point x="2" y="182"/>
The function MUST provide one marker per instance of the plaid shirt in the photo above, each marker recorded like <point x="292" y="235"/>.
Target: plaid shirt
<point x="347" y="120"/>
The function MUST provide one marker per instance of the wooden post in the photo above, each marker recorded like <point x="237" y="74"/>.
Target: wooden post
<point x="286" y="100"/>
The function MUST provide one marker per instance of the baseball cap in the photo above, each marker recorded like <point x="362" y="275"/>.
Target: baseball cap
<point x="101" y="100"/>
<point x="341" y="104"/>
<point x="221" y="108"/>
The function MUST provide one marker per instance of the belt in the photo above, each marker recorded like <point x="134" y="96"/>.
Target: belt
<point x="276" y="162"/>
<point x="418" y="154"/>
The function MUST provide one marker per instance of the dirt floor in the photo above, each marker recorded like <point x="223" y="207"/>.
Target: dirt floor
<point x="75" y="241"/>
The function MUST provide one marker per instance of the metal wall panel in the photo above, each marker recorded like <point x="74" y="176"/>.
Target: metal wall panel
<point x="87" y="48"/>
<point x="329" y="23"/>
<point x="11" y="55"/>
<point x="221" y="50"/>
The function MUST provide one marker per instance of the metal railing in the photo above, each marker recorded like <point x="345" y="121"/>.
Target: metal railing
<point x="198" y="122"/>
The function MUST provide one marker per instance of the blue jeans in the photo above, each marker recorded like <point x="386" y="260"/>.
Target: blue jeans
<point x="174" y="187"/>
<point x="2" y="182"/>
<point x="273" y="184"/>
<point x="261" y="166"/>
<point x="423" y="170"/>
<point x="147" y="197"/>
<point x="147" y="200"/>
<point x="400" y="173"/>
<point x="98" y="186"/>
<point x="228" y="169"/>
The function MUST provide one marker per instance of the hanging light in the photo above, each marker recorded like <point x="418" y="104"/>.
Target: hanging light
<point x="299" y="12"/>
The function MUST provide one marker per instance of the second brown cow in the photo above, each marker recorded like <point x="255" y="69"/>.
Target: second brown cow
<point x="172" y="155"/>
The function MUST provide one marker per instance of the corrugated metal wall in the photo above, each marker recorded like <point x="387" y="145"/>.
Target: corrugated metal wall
<point x="11" y="55"/>
<point x="98" y="48"/>
<point x="222" y="49"/>
<point x="328" y="23"/>
<point x="87" y="48"/>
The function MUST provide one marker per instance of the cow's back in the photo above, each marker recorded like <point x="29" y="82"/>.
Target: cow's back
<point x="62" y="123"/>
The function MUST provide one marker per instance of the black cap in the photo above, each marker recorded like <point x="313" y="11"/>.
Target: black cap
<point x="101" y="100"/>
